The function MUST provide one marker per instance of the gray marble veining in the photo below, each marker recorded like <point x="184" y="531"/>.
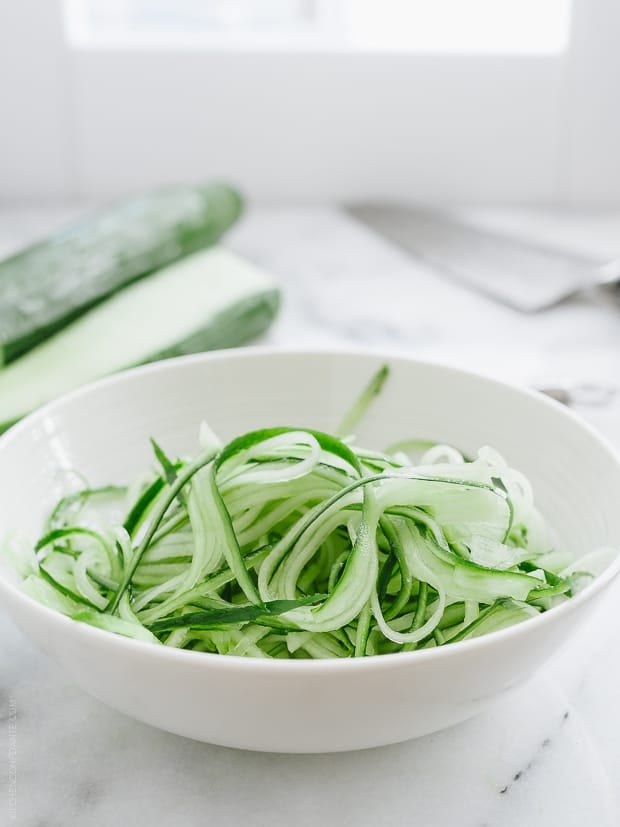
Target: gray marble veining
<point x="545" y="755"/>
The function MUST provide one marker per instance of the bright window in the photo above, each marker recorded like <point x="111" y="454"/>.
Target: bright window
<point x="425" y="26"/>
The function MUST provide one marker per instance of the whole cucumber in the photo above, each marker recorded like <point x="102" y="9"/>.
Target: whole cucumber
<point x="49" y="284"/>
<point x="211" y="299"/>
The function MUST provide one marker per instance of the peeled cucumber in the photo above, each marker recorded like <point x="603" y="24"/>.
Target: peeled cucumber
<point x="208" y="300"/>
<point x="46" y="286"/>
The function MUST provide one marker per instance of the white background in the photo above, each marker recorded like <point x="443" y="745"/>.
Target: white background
<point x="311" y="123"/>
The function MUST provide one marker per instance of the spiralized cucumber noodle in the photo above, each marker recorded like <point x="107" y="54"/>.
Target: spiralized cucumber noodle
<point x="293" y="543"/>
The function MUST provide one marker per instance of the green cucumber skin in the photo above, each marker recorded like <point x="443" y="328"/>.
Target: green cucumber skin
<point x="238" y="324"/>
<point x="244" y="320"/>
<point x="49" y="284"/>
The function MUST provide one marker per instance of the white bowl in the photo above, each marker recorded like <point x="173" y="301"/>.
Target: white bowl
<point x="304" y="706"/>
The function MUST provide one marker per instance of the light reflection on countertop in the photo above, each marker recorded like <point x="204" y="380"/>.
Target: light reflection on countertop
<point x="546" y="754"/>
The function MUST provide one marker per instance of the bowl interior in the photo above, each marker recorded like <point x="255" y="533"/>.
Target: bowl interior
<point x="101" y="433"/>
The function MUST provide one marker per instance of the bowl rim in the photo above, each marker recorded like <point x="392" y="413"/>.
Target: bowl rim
<point x="244" y="662"/>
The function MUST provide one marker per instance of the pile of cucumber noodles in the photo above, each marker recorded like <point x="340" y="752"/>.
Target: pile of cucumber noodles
<point x="292" y="543"/>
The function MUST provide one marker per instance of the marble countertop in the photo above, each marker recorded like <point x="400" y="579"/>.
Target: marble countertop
<point x="546" y="755"/>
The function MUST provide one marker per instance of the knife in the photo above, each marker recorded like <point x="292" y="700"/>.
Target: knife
<point x="526" y="276"/>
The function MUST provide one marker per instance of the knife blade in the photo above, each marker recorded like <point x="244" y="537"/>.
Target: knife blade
<point x="526" y="276"/>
